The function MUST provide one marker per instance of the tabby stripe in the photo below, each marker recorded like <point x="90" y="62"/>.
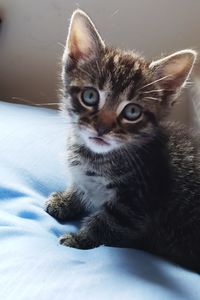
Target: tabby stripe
<point x="111" y="185"/>
<point x="90" y="173"/>
<point x="120" y="217"/>
<point x="75" y="163"/>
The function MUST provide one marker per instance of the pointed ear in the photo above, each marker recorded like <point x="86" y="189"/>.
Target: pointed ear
<point x="172" y="71"/>
<point x="83" y="41"/>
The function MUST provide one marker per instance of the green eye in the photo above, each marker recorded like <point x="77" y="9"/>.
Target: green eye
<point x="132" y="112"/>
<point x="90" y="97"/>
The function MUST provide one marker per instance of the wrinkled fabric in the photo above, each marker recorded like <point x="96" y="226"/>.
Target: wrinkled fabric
<point x="32" y="263"/>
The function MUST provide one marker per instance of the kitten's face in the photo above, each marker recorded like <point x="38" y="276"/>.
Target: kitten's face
<point x="108" y="103"/>
<point x="114" y="97"/>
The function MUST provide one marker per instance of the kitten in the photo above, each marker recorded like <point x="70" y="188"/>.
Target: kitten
<point x="135" y="174"/>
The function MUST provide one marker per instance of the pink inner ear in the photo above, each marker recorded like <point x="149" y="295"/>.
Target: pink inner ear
<point x="74" y="50"/>
<point x="83" y="39"/>
<point x="171" y="81"/>
<point x="174" y="69"/>
<point x="177" y="70"/>
<point x="79" y="43"/>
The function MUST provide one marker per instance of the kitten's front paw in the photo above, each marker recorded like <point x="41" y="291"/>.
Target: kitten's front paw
<point x="65" y="206"/>
<point x="68" y="240"/>
<point x="77" y="240"/>
<point x="55" y="206"/>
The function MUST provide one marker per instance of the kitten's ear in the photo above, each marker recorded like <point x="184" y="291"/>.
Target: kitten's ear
<point x="172" y="71"/>
<point x="83" y="41"/>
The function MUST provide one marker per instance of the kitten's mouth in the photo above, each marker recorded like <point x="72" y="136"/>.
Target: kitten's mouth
<point x="98" y="144"/>
<point x="99" y="141"/>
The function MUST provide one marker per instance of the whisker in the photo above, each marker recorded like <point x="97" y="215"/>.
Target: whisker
<point x="60" y="44"/>
<point x="49" y="104"/>
<point x="153" y="98"/>
<point x="153" y="91"/>
<point x="23" y="100"/>
<point x="154" y="82"/>
<point x="189" y="83"/>
<point x="35" y="104"/>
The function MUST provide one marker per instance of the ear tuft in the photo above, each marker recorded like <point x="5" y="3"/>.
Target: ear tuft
<point x="172" y="71"/>
<point x="83" y="40"/>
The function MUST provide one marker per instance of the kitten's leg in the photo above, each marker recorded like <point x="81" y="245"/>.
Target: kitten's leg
<point x="101" y="228"/>
<point x="66" y="205"/>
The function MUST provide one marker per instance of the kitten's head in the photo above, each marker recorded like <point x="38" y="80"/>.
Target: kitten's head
<point x="115" y="98"/>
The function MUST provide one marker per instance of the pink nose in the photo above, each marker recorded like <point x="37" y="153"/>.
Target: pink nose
<point x="105" y="122"/>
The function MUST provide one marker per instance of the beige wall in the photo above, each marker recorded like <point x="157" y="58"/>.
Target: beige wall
<point x="32" y="31"/>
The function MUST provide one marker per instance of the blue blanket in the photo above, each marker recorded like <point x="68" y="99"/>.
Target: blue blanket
<point x="32" y="263"/>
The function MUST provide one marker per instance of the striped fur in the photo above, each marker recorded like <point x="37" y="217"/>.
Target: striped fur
<point x="143" y="191"/>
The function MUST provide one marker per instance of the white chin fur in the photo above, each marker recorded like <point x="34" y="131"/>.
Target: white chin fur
<point x="86" y="134"/>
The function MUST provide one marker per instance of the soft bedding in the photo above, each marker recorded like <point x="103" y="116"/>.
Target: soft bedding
<point x="32" y="263"/>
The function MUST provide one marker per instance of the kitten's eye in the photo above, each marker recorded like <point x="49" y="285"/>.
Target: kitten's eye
<point x="90" y="97"/>
<point x="132" y="112"/>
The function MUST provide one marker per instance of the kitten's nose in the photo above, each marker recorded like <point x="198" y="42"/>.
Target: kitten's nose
<point x="101" y="129"/>
<point x="105" y="122"/>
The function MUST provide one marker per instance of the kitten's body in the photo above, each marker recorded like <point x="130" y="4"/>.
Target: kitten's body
<point x="141" y="183"/>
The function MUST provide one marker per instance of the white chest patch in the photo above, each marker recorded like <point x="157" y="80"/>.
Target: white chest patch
<point x="94" y="187"/>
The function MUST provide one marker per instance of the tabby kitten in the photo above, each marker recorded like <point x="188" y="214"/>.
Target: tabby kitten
<point x="135" y="174"/>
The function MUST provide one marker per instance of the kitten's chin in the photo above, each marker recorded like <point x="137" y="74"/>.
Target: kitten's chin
<point x="98" y="144"/>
